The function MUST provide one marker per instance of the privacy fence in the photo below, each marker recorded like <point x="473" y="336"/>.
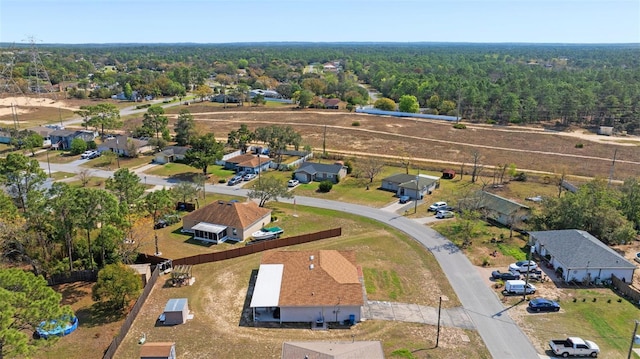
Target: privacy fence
<point x="626" y="290"/>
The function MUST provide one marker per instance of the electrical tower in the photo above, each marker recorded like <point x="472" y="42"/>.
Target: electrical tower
<point x="39" y="81"/>
<point x="8" y="85"/>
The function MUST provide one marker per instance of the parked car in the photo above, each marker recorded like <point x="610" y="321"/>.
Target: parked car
<point x="249" y="176"/>
<point x="518" y="287"/>
<point x="496" y="274"/>
<point x="574" y="346"/>
<point x="293" y="182"/>
<point x="234" y="181"/>
<point x="160" y="224"/>
<point x="404" y="199"/>
<point x="445" y="214"/>
<point x="543" y="305"/>
<point x="523" y="266"/>
<point x="437" y="206"/>
<point x="90" y="154"/>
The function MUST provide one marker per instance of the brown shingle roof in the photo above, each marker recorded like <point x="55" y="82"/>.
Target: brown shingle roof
<point x="232" y="214"/>
<point x="241" y="158"/>
<point x="333" y="279"/>
<point x="155" y="350"/>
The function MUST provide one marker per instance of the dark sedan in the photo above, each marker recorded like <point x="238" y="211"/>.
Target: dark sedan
<point x="543" y="305"/>
<point x="496" y="274"/>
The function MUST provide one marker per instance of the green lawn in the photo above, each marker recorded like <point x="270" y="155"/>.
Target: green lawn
<point x="185" y="172"/>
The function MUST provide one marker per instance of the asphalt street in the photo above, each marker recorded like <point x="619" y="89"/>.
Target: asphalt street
<point x="502" y="336"/>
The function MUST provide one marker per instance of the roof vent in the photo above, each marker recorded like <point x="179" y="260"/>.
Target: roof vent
<point x="311" y="266"/>
<point x="310" y="258"/>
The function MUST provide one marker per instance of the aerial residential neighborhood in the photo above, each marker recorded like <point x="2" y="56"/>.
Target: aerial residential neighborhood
<point x="317" y="200"/>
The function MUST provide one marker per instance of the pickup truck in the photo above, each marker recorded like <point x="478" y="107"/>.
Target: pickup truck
<point x="574" y="346"/>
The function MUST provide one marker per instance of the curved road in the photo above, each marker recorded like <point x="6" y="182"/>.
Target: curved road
<point x="503" y="338"/>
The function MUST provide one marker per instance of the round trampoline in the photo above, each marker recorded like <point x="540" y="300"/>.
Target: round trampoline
<point x="60" y="327"/>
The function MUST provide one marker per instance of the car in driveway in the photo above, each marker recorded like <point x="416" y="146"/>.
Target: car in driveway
<point x="249" y="176"/>
<point x="497" y="275"/>
<point x="234" y="181"/>
<point x="523" y="266"/>
<point x="438" y="206"/>
<point x="404" y="199"/>
<point x="444" y="214"/>
<point x="90" y="155"/>
<point x="293" y="182"/>
<point x="543" y="305"/>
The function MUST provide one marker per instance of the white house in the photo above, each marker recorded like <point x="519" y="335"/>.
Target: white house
<point x="308" y="286"/>
<point x="577" y="255"/>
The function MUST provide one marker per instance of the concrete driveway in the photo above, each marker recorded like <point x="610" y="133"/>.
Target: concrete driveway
<point x="413" y="313"/>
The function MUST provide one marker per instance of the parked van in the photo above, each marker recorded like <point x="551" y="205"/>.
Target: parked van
<point x="518" y="287"/>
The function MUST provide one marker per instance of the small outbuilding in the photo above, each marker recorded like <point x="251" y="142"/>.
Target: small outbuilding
<point x="160" y="350"/>
<point x="176" y="311"/>
<point x="448" y="174"/>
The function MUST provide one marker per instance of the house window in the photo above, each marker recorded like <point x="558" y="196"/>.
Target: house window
<point x="235" y="232"/>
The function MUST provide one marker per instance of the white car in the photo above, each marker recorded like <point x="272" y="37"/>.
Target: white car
<point x="90" y="154"/>
<point x="437" y="206"/>
<point x="293" y="182"/>
<point x="523" y="266"/>
<point x="444" y="214"/>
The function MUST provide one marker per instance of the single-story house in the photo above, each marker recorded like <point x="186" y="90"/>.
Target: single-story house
<point x="248" y="163"/>
<point x="577" y="255"/>
<point x="61" y="138"/>
<point x="312" y="171"/>
<point x="494" y="207"/>
<point x="315" y="287"/>
<point x="171" y="154"/>
<point x="221" y="221"/>
<point x="333" y="350"/>
<point x="222" y="98"/>
<point x="158" y="350"/>
<point x="5" y="136"/>
<point x="405" y="185"/>
<point x="333" y="103"/>
<point x="143" y="270"/>
<point x="120" y="145"/>
<point x="45" y="132"/>
<point x="448" y="174"/>
<point x="265" y="93"/>
<point x="176" y="311"/>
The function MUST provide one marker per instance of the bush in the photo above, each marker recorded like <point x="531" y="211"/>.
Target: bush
<point x="522" y="177"/>
<point x="222" y="180"/>
<point x="325" y="186"/>
<point x="355" y="123"/>
<point x="91" y="145"/>
<point x="579" y="145"/>
<point x="460" y="126"/>
<point x="143" y="106"/>
<point x="78" y="146"/>
<point x="491" y="122"/>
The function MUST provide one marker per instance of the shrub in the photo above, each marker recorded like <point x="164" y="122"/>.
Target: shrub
<point x="579" y="145"/>
<point x="222" y="180"/>
<point x="460" y="126"/>
<point x="325" y="186"/>
<point x="355" y="123"/>
<point x="78" y="146"/>
<point x="522" y="177"/>
<point x="143" y="106"/>
<point x="491" y="122"/>
<point x="91" y="145"/>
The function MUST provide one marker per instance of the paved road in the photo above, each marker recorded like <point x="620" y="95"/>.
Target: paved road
<point x="503" y="338"/>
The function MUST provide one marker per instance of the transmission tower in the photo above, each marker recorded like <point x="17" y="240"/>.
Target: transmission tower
<point x="8" y="85"/>
<point x="39" y="81"/>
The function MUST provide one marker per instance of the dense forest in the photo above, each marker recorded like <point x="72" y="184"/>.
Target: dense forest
<point x="500" y="83"/>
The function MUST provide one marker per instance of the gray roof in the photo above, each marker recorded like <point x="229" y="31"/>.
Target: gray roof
<point x="175" y="150"/>
<point x="579" y="249"/>
<point x="482" y="199"/>
<point x="400" y="178"/>
<point x="175" y="305"/>
<point x="62" y="133"/>
<point x="313" y="168"/>
<point x="332" y="350"/>
<point x="120" y="142"/>
<point x="422" y="182"/>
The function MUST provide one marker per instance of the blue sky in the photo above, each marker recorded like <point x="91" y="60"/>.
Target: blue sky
<point x="225" y="21"/>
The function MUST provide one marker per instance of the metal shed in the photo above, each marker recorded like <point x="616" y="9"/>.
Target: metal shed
<point x="176" y="311"/>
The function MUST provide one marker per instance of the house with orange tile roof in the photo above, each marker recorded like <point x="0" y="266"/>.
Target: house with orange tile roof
<point x="308" y="286"/>
<point x="221" y="221"/>
<point x="158" y="350"/>
<point x="248" y="163"/>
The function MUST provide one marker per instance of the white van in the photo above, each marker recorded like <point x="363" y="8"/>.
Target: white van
<point x="518" y="287"/>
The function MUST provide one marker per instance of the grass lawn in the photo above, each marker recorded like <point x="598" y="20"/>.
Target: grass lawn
<point x="185" y="172"/>
<point x="57" y="157"/>
<point x="61" y="175"/>
<point x="391" y="264"/>
<point x="595" y="315"/>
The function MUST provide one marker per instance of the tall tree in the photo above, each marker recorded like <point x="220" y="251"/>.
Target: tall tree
<point x="269" y="188"/>
<point x="127" y="188"/>
<point x="184" y="191"/>
<point x="155" y="120"/>
<point x="371" y="167"/>
<point x="203" y="92"/>
<point x="240" y="138"/>
<point x="95" y="207"/>
<point x="20" y="176"/>
<point x="64" y="207"/>
<point x="158" y="203"/>
<point x="408" y="103"/>
<point x="117" y="285"/>
<point x="385" y="104"/>
<point x="185" y="128"/>
<point x="204" y="151"/>
<point x="26" y="300"/>
<point x="104" y="115"/>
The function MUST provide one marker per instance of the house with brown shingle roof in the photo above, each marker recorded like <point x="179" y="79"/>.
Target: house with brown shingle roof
<point x="158" y="350"/>
<point x="308" y="286"/>
<point x="220" y="221"/>
<point x="248" y="163"/>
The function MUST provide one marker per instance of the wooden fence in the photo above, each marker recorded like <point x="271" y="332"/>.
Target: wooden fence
<point x="75" y="276"/>
<point x="258" y="247"/>
<point x="626" y="290"/>
<point x="111" y="350"/>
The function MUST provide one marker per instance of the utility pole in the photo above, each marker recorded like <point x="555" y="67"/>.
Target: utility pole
<point x="438" y="332"/>
<point x="415" y="207"/>
<point x="613" y="164"/>
<point x="324" y="142"/>
<point x="633" y="338"/>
